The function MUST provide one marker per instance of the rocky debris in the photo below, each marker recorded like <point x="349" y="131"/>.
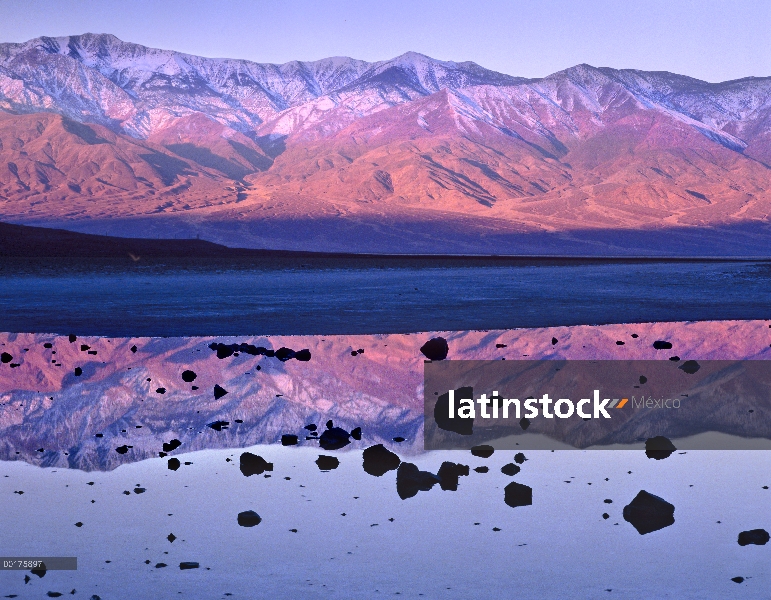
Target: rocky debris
<point x="172" y="445"/>
<point x="219" y="425"/>
<point x="648" y="513"/>
<point x="189" y="376"/>
<point x="449" y="473"/>
<point x="334" y="438"/>
<point x="482" y="451"/>
<point x="249" y="518"/>
<point x="435" y="349"/>
<point x="758" y="537"/>
<point x="690" y="367"/>
<point x="510" y="469"/>
<point x="662" y="345"/>
<point x="219" y="391"/>
<point x="282" y="354"/>
<point x="410" y="480"/>
<point x="288" y="440"/>
<point x="659" y="447"/>
<point x="519" y="458"/>
<point x="188" y="565"/>
<point x="251" y="464"/>
<point x="378" y="460"/>
<point x="516" y="494"/>
<point x="327" y="463"/>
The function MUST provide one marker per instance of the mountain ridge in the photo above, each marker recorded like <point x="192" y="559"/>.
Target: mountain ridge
<point x="96" y="131"/>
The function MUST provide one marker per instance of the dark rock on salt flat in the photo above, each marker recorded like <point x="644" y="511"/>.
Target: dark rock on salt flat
<point x="483" y="451"/>
<point x="674" y="358"/>
<point x="648" y="513"/>
<point x="662" y="345"/>
<point x="442" y="411"/>
<point x="189" y="376"/>
<point x="78" y="371"/>
<point x="39" y="572"/>
<point x="334" y="439"/>
<point x="139" y="490"/>
<point x="510" y="469"/>
<point x="288" y="440"/>
<point x="219" y="425"/>
<point x="519" y="458"/>
<point x="448" y="475"/>
<point x="6" y="358"/>
<point x="659" y="447"/>
<point x="327" y="463"/>
<point x="524" y="423"/>
<point x="516" y="494"/>
<point x="378" y="460"/>
<point x="398" y="439"/>
<point x="330" y="424"/>
<point x="311" y="427"/>
<point x="482" y="469"/>
<point x="160" y="565"/>
<point x="171" y="537"/>
<point x="758" y="537"/>
<point x="172" y="445"/>
<point x="219" y="391"/>
<point x="53" y="594"/>
<point x="133" y="349"/>
<point x="690" y="367"/>
<point x="249" y="518"/>
<point x="435" y="349"/>
<point x="500" y="345"/>
<point x="737" y="579"/>
<point x="410" y="480"/>
<point x="282" y="354"/>
<point x="643" y="379"/>
<point x="356" y="433"/>
<point x="554" y="341"/>
<point x="251" y="464"/>
<point x="160" y="390"/>
<point x="72" y="338"/>
<point x="122" y="449"/>
<point x="188" y="565"/>
<point x="48" y="345"/>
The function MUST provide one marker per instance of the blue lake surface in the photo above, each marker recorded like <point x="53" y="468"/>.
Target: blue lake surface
<point x="179" y="298"/>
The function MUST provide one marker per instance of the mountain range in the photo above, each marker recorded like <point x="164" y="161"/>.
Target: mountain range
<point x="411" y="154"/>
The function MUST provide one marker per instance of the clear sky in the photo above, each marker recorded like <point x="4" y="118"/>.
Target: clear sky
<point x="715" y="40"/>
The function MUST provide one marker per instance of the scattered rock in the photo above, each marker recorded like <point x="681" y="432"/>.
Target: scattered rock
<point x="690" y="367"/>
<point x="288" y="440"/>
<point x="327" y="463"/>
<point x="554" y="341"/>
<point x="659" y="447"/>
<point x="78" y="371"/>
<point x="5" y="358"/>
<point x="334" y="439"/>
<point x="188" y="565"/>
<point x="356" y="433"/>
<point x="758" y="537"/>
<point x="510" y="469"/>
<point x="516" y="494"/>
<point x="249" y="518"/>
<point x="172" y="445"/>
<point x="662" y="345"/>
<point x="189" y="376"/>
<point x="482" y="451"/>
<point x="122" y="449"/>
<point x="219" y="391"/>
<point x="219" y="425"/>
<point x="378" y="460"/>
<point x="251" y="464"/>
<point x="482" y="469"/>
<point x="448" y="475"/>
<point x="519" y="458"/>
<point x="435" y="349"/>
<point x="737" y="579"/>
<point x="410" y="480"/>
<point x="648" y="513"/>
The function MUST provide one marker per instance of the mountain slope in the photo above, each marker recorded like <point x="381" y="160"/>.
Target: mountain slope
<point x="408" y="154"/>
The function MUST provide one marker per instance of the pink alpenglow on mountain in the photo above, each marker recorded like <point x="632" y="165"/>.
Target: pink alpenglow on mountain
<point x="411" y="154"/>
